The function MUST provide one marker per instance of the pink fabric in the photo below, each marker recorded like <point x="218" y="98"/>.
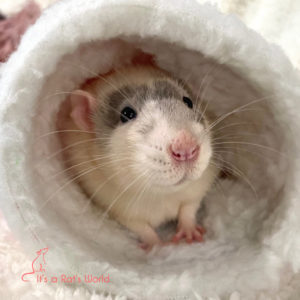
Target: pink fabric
<point x="12" y="28"/>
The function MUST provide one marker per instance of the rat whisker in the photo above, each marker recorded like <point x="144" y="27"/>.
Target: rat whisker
<point x="64" y="131"/>
<point x="90" y="199"/>
<point x="186" y="79"/>
<point x="147" y="184"/>
<point x="252" y="144"/>
<point x="154" y="198"/>
<point x="101" y="157"/>
<point x="220" y="119"/>
<point x="89" y="161"/>
<point x="218" y="184"/>
<point x="73" y="145"/>
<point x="59" y="93"/>
<point x="140" y="191"/>
<point x="211" y="126"/>
<point x="199" y="103"/>
<point x="203" y="111"/>
<point x="125" y="158"/>
<point x="237" y="150"/>
<point x="231" y="125"/>
<point x="238" y="172"/>
<point x="106" y="80"/>
<point x="66" y="184"/>
<point x="120" y="194"/>
<point x="202" y="93"/>
<point x="237" y="153"/>
<point x="238" y="109"/>
<point x="233" y="136"/>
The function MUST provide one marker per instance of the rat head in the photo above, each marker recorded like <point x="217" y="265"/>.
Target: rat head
<point x="152" y="126"/>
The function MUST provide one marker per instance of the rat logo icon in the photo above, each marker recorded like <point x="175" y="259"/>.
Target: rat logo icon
<point x="38" y="264"/>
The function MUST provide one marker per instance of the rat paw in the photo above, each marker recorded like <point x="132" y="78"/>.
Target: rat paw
<point x="190" y="234"/>
<point x="148" y="247"/>
<point x="144" y="246"/>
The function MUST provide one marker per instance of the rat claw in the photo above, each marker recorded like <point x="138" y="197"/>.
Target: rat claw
<point x="189" y="240"/>
<point x="198" y="236"/>
<point x="178" y="236"/>
<point x="193" y="234"/>
<point x="201" y="229"/>
<point x="199" y="239"/>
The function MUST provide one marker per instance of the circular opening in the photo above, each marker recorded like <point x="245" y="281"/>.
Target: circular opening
<point x="251" y="152"/>
<point x="241" y="209"/>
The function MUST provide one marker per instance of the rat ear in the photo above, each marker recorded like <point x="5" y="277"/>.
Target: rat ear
<point x="82" y="106"/>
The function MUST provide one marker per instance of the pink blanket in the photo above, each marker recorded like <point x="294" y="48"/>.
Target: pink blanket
<point x="12" y="28"/>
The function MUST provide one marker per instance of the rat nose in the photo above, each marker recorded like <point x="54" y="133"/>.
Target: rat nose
<point x="184" y="147"/>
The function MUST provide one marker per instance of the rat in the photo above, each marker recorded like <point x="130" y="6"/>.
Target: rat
<point x="139" y="145"/>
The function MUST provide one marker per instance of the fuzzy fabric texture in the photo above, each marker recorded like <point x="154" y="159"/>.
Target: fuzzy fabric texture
<point x="257" y="255"/>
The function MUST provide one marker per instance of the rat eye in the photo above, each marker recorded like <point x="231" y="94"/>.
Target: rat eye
<point x="127" y="114"/>
<point x="188" y="101"/>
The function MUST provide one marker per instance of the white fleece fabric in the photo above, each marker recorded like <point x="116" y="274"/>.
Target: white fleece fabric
<point x="253" y="242"/>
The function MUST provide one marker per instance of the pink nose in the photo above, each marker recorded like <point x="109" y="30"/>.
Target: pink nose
<point x="184" y="147"/>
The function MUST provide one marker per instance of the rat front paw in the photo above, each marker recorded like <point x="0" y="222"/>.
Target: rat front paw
<point x="190" y="234"/>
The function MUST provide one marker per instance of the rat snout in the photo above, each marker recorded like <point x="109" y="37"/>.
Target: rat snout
<point x="184" y="147"/>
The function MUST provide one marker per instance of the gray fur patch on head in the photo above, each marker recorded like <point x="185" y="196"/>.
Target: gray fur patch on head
<point x="109" y="111"/>
<point x="113" y="102"/>
<point x="163" y="91"/>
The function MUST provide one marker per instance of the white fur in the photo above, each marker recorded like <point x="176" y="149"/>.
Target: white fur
<point x="254" y="245"/>
<point x="149" y="168"/>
